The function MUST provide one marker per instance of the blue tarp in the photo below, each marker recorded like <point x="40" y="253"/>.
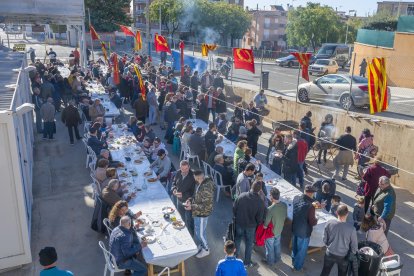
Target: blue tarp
<point x="196" y="64"/>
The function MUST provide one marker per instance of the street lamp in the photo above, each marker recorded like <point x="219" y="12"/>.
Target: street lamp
<point x="347" y="25"/>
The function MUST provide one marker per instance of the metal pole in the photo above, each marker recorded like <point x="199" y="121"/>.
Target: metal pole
<point x="193" y="48"/>
<point x="160" y="20"/>
<point x="297" y="86"/>
<point x="8" y="40"/>
<point x="232" y="69"/>
<point x="352" y="81"/>
<point x="89" y="15"/>
<point x="261" y="70"/>
<point x="148" y="29"/>
<point x="84" y="59"/>
<point x="346" y="34"/>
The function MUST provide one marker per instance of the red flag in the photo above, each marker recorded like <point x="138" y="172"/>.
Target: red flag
<point x="141" y="83"/>
<point x="94" y="34"/>
<point x="138" y="41"/>
<point x="182" y="57"/>
<point x="243" y="59"/>
<point x="126" y="31"/>
<point x="303" y="59"/>
<point x="115" y="66"/>
<point x="161" y="44"/>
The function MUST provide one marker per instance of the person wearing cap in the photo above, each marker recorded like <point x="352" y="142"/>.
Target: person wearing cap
<point x="302" y="225"/>
<point x="340" y="239"/>
<point x="325" y="189"/>
<point x="48" y="259"/>
<point x="197" y="145"/>
<point x="126" y="249"/>
<point x="161" y="165"/>
<point x="47" y="112"/>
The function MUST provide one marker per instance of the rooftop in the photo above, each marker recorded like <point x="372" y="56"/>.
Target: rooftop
<point x="9" y="60"/>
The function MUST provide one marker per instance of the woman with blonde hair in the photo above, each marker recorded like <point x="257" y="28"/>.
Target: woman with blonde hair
<point x="119" y="210"/>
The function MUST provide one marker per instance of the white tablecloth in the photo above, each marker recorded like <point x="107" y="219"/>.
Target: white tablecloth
<point x="287" y="190"/>
<point x="172" y="246"/>
<point x="110" y="109"/>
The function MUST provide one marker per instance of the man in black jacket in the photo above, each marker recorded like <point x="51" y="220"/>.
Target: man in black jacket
<point x="221" y="106"/>
<point x="183" y="187"/>
<point x="218" y="81"/>
<point x="201" y="109"/>
<point x="302" y="225"/>
<point x="290" y="160"/>
<point x="194" y="82"/>
<point x="197" y="144"/>
<point x="249" y="211"/>
<point x="37" y="101"/>
<point x="71" y="118"/>
<point x="210" y="138"/>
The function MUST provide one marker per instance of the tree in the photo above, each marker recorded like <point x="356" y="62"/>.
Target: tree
<point x="106" y="14"/>
<point x="382" y="21"/>
<point x="312" y="25"/>
<point x="171" y="12"/>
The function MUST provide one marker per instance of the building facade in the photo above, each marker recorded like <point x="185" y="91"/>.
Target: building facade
<point x="236" y="2"/>
<point x="396" y="8"/>
<point x="268" y="29"/>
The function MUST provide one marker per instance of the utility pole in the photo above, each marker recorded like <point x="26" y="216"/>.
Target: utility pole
<point x="148" y="30"/>
<point x="89" y="14"/>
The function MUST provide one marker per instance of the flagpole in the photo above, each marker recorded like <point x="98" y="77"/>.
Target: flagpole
<point x="232" y="69"/>
<point x="89" y="15"/>
<point x="297" y="86"/>
<point x="261" y="71"/>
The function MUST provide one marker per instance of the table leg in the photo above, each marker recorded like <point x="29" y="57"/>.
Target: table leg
<point x="182" y="268"/>
<point x="150" y="270"/>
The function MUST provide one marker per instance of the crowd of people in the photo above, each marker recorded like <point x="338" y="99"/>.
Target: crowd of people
<point x="170" y="104"/>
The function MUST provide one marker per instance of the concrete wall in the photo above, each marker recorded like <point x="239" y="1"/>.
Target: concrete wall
<point x="399" y="60"/>
<point x="395" y="141"/>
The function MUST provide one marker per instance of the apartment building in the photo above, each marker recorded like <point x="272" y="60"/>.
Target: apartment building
<point x="396" y="8"/>
<point x="268" y="29"/>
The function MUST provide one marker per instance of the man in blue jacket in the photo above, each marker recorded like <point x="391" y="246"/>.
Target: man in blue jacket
<point x="126" y="248"/>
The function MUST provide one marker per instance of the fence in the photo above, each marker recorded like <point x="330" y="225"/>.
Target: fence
<point x="376" y="38"/>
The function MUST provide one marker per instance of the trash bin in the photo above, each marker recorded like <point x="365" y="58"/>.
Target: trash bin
<point x="265" y="80"/>
<point x="369" y="265"/>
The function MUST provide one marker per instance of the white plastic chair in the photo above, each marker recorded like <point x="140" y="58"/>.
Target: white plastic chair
<point x="218" y="180"/>
<point x="85" y="142"/>
<point x="86" y="127"/>
<point x="163" y="271"/>
<point x="110" y="263"/>
<point x="192" y="157"/>
<point x="91" y="155"/>
<point x="108" y="226"/>
<point x="207" y="169"/>
<point x="183" y="151"/>
<point x="96" y="186"/>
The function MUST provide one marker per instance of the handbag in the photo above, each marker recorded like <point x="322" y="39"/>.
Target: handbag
<point x="231" y="231"/>
<point x="262" y="234"/>
<point x="360" y="188"/>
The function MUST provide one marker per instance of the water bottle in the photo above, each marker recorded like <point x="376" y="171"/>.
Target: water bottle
<point x="145" y="186"/>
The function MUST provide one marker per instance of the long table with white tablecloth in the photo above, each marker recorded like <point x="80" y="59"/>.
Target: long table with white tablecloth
<point x="287" y="190"/>
<point x="172" y="246"/>
<point x="98" y="92"/>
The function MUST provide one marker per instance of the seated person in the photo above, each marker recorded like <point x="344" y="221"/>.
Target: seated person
<point x="119" y="210"/>
<point x="100" y="172"/>
<point x="113" y="96"/>
<point x="127" y="250"/>
<point x="226" y="173"/>
<point x="132" y="125"/>
<point x="111" y="194"/>
<point x="325" y="190"/>
<point x="221" y="123"/>
<point x="149" y="133"/>
<point x="211" y="157"/>
<point x="146" y="147"/>
<point x="196" y="144"/>
<point x="106" y="155"/>
<point x="336" y="200"/>
<point x="141" y="132"/>
<point x="161" y="165"/>
<point x="96" y="144"/>
<point x="156" y="146"/>
<point x="110" y="174"/>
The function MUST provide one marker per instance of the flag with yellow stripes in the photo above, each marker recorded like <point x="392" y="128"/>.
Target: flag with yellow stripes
<point x="377" y="85"/>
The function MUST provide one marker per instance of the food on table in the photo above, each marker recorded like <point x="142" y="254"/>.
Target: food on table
<point x="168" y="210"/>
<point x="156" y="223"/>
<point x="124" y="174"/>
<point x="147" y="173"/>
<point x="142" y="221"/>
<point x="138" y="161"/>
<point x="112" y="148"/>
<point x="152" y="179"/>
<point x="148" y="238"/>
<point x="134" y="174"/>
<point x="178" y="224"/>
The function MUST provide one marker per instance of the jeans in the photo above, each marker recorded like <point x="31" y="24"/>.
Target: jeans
<point x="48" y="130"/>
<point x="200" y="226"/>
<point x="133" y="264"/>
<point x="290" y="177"/>
<point x="321" y="196"/>
<point x="299" y="251"/>
<point x="152" y="114"/>
<point x="300" y="174"/>
<point x="213" y="112"/>
<point x="272" y="246"/>
<point x="38" y="121"/>
<point x="277" y="166"/>
<point x="169" y="132"/>
<point x="320" y="155"/>
<point x="70" y="130"/>
<point x="187" y="215"/>
<point x="330" y="260"/>
<point x="248" y="235"/>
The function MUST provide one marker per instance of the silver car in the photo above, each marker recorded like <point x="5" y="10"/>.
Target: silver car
<point x="336" y="88"/>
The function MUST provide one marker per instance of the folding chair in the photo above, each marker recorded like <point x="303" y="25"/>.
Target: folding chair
<point x="110" y="262"/>
<point x="207" y="169"/>
<point x="218" y="180"/>
<point x="192" y="157"/>
<point x="108" y="226"/>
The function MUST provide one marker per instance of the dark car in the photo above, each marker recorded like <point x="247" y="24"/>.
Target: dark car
<point x="288" y="61"/>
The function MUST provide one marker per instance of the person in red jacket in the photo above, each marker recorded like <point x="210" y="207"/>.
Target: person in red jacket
<point x="371" y="178"/>
<point x="302" y="151"/>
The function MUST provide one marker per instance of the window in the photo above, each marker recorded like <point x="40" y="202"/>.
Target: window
<point x="267" y="23"/>
<point x="276" y="20"/>
<point x="266" y="34"/>
<point x="410" y="9"/>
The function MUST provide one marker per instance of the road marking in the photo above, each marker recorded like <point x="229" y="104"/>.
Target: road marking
<point x="402" y="101"/>
<point x="289" y="90"/>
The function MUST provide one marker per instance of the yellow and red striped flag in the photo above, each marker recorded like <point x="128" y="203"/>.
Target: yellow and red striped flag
<point x="205" y="48"/>
<point x="94" y="34"/>
<point x="303" y="59"/>
<point x="141" y="83"/>
<point x="115" y="66"/>
<point x="138" y="41"/>
<point x="377" y="85"/>
<point x="105" y="54"/>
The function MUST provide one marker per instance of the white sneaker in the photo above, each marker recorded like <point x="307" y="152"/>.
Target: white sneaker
<point x="203" y="253"/>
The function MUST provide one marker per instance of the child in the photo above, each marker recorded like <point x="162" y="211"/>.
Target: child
<point x="336" y="200"/>
<point x="230" y="265"/>
<point x="359" y="212"/>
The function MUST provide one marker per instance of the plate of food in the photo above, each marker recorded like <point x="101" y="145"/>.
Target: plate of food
<point x="142" y="222"/>
<point x="178" y="224"/>
<point x="138" y="161"/>
<point x="134" y="174"/>
<point x="112" y="148"/>
<point x="149" y="173"/>
<point x="148" y="238"/>
<point x="123" y="174"/>
<point x="168" y="210"/>
<point x="152" y="179"/>
<point x="156" y="223"/>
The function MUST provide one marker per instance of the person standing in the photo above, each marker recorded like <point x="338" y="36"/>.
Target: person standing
<point x="244" y="180"/>
<point x="52" y="55"/>
<point x="37" y="102"/>
<point x="210" y="98"/>
<point x="347" y="144"/>
<point x="171" y="117"/>
<point x="76" y="55"/>
<point x="220" y="98"/>
<point x="218" y="81"/>
<point x="325" y="189"/>
<point x="371" y="178"/>
<point x="363" y="68"/>
<point x="325" y="135"/>
<point x="197" y="144"/>
<point x="71" y="118"/>
<point x="290" y="160"/>
<point x="47" y="89"/>
<point x="48" y="259"/>
<point x="201" y="109"/>
<point x="249" y="211"/>
<point x="201" y="205"/>
<point x="276" y="214"/>
<point x="126" y="249"/>
<point x="47" y="112"/>
<point x="141" y="108"/>
<point x="340" y="239"/>
<point x="253" y="134"/>
<point x="194" y="82"/>
<point x="230" y="265"/>
<point x="260" y="100"/>
<point x="183" y="187"/>
<point x="206" y="81"/>
<point x="302" y="151"/>
<point x="210" y="138"/>
<point x="32" y="54"/>
<point x="302" y="225"/>
<point x="153" y="105"/>
<point x="384" y="202"/>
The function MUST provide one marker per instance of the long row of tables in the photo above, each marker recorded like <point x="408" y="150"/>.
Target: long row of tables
<point x="287" y="190"/>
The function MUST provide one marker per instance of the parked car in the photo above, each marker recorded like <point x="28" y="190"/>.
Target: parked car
<point x="288" y="61"/>
<point x="336" y="88"/>
<point x="323" y="67"/>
